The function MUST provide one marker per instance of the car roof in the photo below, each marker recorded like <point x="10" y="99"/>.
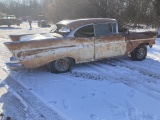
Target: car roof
<point x="73" y="24"/>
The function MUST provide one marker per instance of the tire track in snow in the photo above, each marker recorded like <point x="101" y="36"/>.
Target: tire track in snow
<point x="140" y="68"/>
<point x="125" y="74"/>
<point x="90" y="72"/>
<point x="133" y="66"/>
<point x="134" y="78"/>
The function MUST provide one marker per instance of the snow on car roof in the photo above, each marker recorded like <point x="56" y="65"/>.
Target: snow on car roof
<point x="73" y="24"/>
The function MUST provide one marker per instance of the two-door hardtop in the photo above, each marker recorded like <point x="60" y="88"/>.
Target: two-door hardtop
<point x="77" y="41"/>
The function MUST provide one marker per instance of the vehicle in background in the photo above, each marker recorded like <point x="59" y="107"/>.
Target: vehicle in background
<point x="10" y="20"/>
<point x="77" y="41"/>
<point x="42" y="21"/>
<point x="24" y="18"/>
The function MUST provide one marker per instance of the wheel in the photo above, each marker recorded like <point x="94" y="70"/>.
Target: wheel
<point x="139" y="53"/>
<point x="61" y="65"/>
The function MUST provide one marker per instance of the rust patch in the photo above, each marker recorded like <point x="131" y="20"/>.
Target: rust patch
<point x="36" y="51"/>
<point x="109" y="46"/>
<point x="110" y="38"/>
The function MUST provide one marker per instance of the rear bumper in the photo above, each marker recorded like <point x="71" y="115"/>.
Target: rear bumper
<point x="14" y="64"/>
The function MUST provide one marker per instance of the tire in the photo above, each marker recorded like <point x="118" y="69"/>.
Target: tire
<point x="139" y="53"/>
<point x="61" y="65"/>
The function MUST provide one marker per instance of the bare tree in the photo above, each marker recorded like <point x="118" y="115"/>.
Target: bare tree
<point x="125" y="11"/>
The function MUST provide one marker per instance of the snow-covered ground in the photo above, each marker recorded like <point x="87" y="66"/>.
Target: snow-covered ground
<point x="114" y="89"/>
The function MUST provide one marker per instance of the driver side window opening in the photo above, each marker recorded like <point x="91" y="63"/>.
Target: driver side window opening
<point x="86" y="31"/>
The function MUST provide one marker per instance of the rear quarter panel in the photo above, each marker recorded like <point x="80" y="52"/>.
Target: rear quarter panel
<point x="135" y="39"/>
<point x="34" y="54"/>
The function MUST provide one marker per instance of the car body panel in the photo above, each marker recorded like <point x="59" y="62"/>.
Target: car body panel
<point x="109" y="46"/>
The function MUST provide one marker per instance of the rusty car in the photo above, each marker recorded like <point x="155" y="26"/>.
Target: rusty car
<point x="77" y="41"/>
<point x="10" y="20"/>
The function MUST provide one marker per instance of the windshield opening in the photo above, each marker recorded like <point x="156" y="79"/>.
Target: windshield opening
<point x="62" y="30"/>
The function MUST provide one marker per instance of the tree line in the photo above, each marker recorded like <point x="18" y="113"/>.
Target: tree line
<point x="125" y="11"/>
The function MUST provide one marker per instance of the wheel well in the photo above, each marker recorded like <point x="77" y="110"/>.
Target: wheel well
<point x="49" y="67"/>
<point x="73" y="60"/>
<point x="135" y="51"/>
<point x="146" y="43"/>
<point x="143" y="44"/>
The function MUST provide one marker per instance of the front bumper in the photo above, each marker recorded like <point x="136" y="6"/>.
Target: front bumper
<point x="14" y="64"/>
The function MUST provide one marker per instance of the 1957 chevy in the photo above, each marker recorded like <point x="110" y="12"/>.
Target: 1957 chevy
<point x="77" y="41"/>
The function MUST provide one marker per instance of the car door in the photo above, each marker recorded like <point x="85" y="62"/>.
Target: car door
<point x="84" y="38"/>
<point x="107" y="42"/>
